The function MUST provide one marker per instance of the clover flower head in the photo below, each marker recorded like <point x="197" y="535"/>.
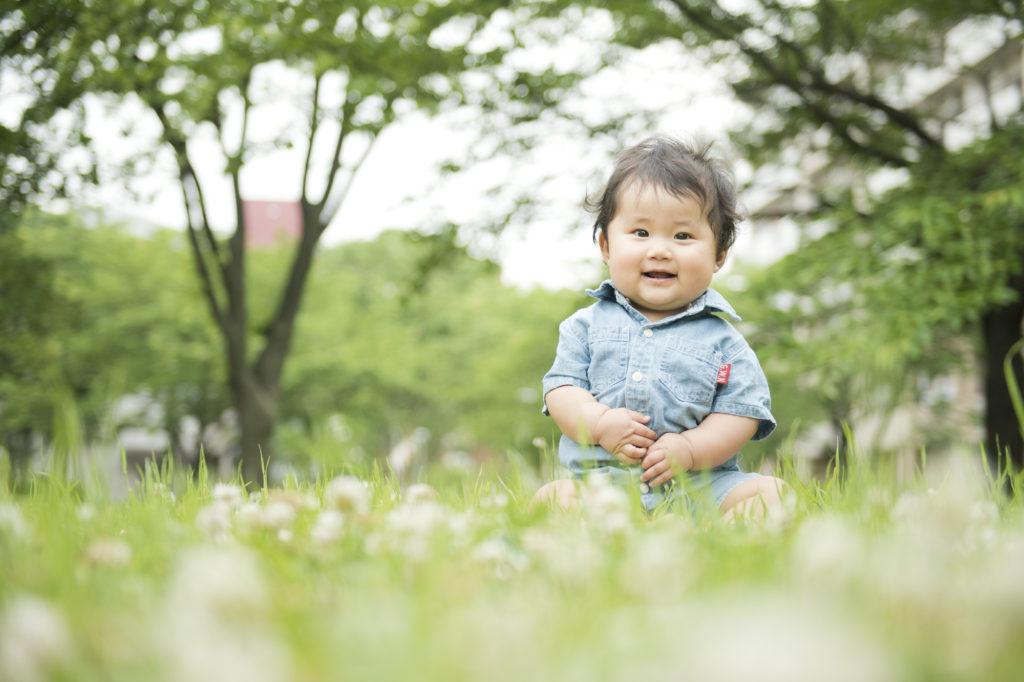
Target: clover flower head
<point x="12" y="522"/>
<point x="328" y="527"/>
<point x="228" y="493"/>
<point x="109" y="552"/>
<point x="348" y="494"/>
<point x="34" y="636"/>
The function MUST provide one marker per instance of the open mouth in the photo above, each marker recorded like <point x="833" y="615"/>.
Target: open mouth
<point x="653" y="274"/>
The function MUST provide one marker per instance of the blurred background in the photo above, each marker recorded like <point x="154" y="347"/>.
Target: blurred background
<point x="341" y="236"/>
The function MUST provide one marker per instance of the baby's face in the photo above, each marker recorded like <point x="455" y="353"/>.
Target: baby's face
<point x="660" y="250"/>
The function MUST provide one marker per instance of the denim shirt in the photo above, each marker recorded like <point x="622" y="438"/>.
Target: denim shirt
<point x="671" y="370"/>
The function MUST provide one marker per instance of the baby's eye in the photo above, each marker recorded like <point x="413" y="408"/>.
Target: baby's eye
<point x="681" y="236"/>
<point x="640" y="232"/>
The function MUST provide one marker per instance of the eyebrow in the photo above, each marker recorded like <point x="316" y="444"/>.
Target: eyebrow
<point x="645" y="219"/>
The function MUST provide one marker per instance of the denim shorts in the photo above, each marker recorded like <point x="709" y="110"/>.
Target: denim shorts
<point x="698" y="490"/>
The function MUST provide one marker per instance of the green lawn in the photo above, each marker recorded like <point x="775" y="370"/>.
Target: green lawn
<point x="864" y="579"/>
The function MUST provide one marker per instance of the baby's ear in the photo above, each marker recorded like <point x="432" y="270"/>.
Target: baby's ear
<point x="720" y="261"/>
<point x="602" y="241"/>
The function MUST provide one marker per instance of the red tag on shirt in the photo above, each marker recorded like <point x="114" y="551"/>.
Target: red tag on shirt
<point x="723" y="374"/>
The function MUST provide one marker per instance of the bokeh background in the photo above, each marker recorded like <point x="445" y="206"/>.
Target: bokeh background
<point x="315" y="237"/>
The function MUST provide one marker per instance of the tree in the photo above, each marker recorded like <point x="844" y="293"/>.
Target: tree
<point x="93" y="314"/>
<point x="828" y="80"/>
<point x="194" y="67"/>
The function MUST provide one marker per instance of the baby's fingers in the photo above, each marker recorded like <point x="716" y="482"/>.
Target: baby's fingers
<point x="641" y="441"/>
<point x="631" y="454"/>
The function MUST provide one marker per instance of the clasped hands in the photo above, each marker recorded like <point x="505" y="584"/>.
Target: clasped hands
<point x="625" y="434"/>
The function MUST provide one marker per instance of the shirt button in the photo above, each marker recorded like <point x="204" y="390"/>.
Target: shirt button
<point x="644" y="488"/>
<point x="648" y="333"/>
<point x="638" y="376"/>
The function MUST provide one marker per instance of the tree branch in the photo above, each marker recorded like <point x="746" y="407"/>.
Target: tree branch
<point x="817" y="83"/>
<point x="328" y="211"/>
<point x="345" y="126"/>
<point x="314" y="121"/>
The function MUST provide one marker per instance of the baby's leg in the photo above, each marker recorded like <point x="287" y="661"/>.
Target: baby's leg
<point x="755" y="499"/>
<point x="561" y="493"/>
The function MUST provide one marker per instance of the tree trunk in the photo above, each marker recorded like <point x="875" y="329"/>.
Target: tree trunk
<point x="1001" y="328"/>
<point x="257" y="413"/>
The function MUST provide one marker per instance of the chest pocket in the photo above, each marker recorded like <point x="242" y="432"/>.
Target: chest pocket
<point x="689" y="371"/>
<point x="609" y="356"/>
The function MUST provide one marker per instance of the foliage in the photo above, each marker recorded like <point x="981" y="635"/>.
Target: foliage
<point x="404" y="331"/>
<point x="869" y="579"/>
<point x="120" y="317"/>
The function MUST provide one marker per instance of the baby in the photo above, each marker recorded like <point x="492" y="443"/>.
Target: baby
<point x="649" y="383"/>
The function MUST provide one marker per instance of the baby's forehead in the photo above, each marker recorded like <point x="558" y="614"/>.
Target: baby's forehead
<point x="635" y="189"/>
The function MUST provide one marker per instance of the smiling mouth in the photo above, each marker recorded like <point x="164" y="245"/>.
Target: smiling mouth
<point x="659" y="275"/>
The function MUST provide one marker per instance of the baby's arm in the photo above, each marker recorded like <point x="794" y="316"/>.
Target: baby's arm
<point x="579" y="416"/>
<point x="713" y="441"/>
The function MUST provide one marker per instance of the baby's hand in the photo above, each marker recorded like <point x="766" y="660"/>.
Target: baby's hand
<point x="624" y="433"/>
<point x="669" y="455"/>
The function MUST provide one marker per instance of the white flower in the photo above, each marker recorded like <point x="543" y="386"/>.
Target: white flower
<point x="278" y="515"/>
<point x="34" y="636"/>
<point x="228" y="493"/>
<point x="457" y="460"/>
<point x="827" y="547"/>
<point x="410" y="528"/>
<point x="224" y="580"/>
<point x="215" y="520"/>
<point x="420" y="492"/>
<point x="12" y="522"/>
<point x="497" y="500"/>
<point x="249" y="516"/>
<point x="501" y="556"/>
<point x="85" y="512"/>
<point x="213" y="626"/>
<point x="328" y="527"/>
<point x="348" y="494"/>
<point x="109" y="552"/>
<point x="775" y="638"/>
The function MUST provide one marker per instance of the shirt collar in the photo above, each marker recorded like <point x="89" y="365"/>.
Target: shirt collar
<point x="710" y="300"/>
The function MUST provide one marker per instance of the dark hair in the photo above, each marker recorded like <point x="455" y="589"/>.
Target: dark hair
<point x="680" y="169"/>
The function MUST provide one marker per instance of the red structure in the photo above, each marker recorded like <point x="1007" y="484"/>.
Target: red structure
<point x="269" y="223"/>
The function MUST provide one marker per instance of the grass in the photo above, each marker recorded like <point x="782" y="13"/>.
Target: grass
<point x="863" y="579"/>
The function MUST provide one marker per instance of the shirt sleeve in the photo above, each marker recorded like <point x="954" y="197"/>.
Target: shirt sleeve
<point x="572" y="359"/>
<point x="746" y="392"/>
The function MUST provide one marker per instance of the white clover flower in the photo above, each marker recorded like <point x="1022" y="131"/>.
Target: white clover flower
<point x="213" y="626"/>
<point x="12" y="522"/>
<point x="109" y="552"/>
<point x="420" y="492"/>
<point x="249" y="516"/>
<point x="215" y="520"/>
<point x="285" y="535"/>
<point x="34" y="637"/>
<point x="828" y="547"/>
<point x="228" y="493"/>
<point x="569" y="553"/>
<point x="457" y="461"/>
<point x="658" y="565"/>
<point x="328" y="527"/>
<point x="278" y="515"/>
<point x="504" y="559"/>
<point x="776" y="638"/>
<point x="409" y="529"/>
<point x="496" y="500"/>
<point x="224" y="580"/>
<point x="348" y="494"/>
